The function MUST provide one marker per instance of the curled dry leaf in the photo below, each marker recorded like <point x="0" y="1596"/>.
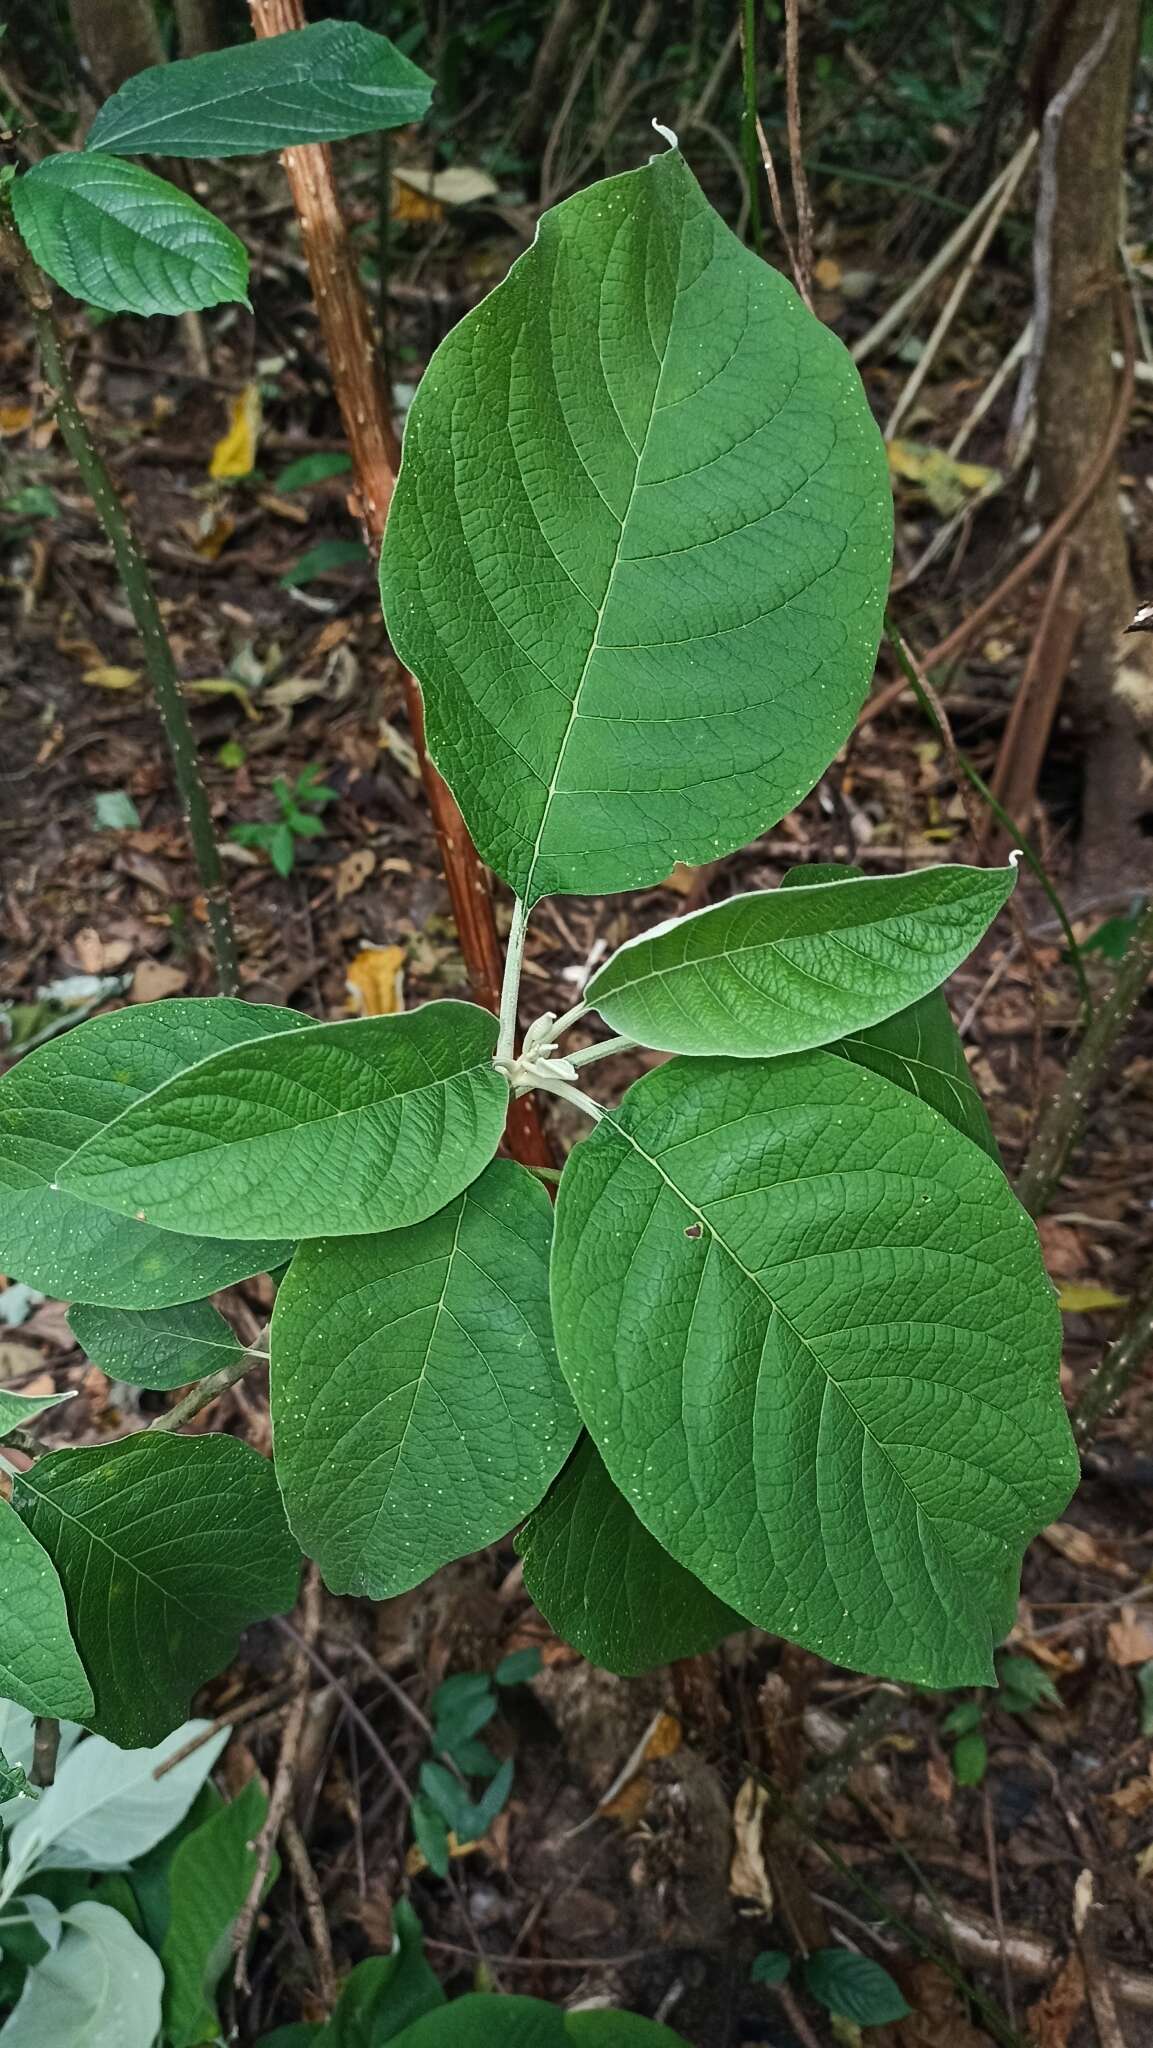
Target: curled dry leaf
<point x="375" y="982"/>
<point x="748" y="1877"/>
<point x="1078" y="1547"/>
<point x="235" y="452"/>
<point x="153" y="979"/>
<point x="1130" y="1637"/>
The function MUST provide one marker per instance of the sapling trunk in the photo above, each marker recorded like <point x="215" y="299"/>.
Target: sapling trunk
<point x="140" y="591"/>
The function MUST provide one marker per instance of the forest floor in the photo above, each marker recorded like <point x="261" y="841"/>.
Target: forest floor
<point x="638" y="1862"/>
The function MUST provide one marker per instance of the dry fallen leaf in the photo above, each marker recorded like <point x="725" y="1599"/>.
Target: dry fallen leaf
<point x="1130" y="1638"/>
<point x="1135" y="1797"/>
<point x="1077" y="1547"/>
<point x="748" y="1878"/>
<point x="15" y="418"/>
<point x="235" y="453"/>
<point x="109" y="676"/>
<point x="222" y="686"/>
<point x="353" y="872"/>
<point x="153" y="979"/>
<point x="375" y="982"/>
<point x="1052" y="2019"/>
<point x="1079" y="1297"/>
<point x="458" y="186"/>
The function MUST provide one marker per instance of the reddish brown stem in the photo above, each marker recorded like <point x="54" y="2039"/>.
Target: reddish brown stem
<point x="366" y="410"/>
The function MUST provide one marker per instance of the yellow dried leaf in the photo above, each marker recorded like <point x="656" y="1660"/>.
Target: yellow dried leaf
<point x="947" y="484"/>
<point x="827" y="273"/>
<point x="14" y="419"/>
<point x="223" y="686"/>
<point x="107" y="676"/>
<point x="408" y="204"/>
<point x="416" y="1860"/>
<point x="235" y="453"/>
<point x="1077" y="1298"/>
<point x="748" y="1878"/>
<point x="458" y="186"/>
<point x="375" y="982"/>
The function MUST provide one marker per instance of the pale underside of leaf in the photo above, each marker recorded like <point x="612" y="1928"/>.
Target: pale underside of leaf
<point x="639" y="545"/>
<point x="100" y="1989"/>
<point x="809" y="1328"/>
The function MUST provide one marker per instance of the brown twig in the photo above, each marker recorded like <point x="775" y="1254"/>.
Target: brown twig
<point x="995" y="1899"/>
<point x="1038" y="693"/>
<point x="802" y="202"/>
<point x="796" y="2017"/>
<point x="375" y="448"/>
<point x="776" y="200"/>
<point x="285" y="1769"/>
<point x="1123" y="1359"/>
<point x="297" y="1853"/>
<point x="249" y="1710"/>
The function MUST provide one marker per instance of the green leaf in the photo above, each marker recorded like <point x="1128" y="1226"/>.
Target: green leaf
<point x="461" y="1707"/>
<point x="208" y="1882"/>
<point x="1145" y="1691"/>
<point x="56" y="1098"/>
<point x="18" y="1410"/>
<point x="963" y="1719"/>
<point x="809" y="1327"/>
<point x="325" y="556"/>
<point x="99" y="1989"/>
<point x="160" y="1347"/>
<point x="484" y="2021"/>
<point x="14" y="1782"/>
<point x="417" y="1403"/>
<point x="1024" y="1685"/>
<point x="605" y="1585"/>
<point x="619" y="2030"/>
<point x="518" y="1667"/>
<point x="639" y="545"/>
<point x="105" y="1807"/>
<point x="469" y="1819"/>
<point x="39" y="1665"/>
<point x="781" y="971"/>
<point x="854" y="1987"/>
<point x="125" y="240"/>
<point x="919" y="1049"/>
<point x="970" y="1758"/>
<point x="167" y="1546"/>
<point x="385" y="1993"/>
<point x="431" y="1836"/>
<point x="114" y="811"/>
<point x="312" y="85"/>
<point x="770" y="1967"/>
<point x="338" y="1130"/>
<point x="313" y="469"/>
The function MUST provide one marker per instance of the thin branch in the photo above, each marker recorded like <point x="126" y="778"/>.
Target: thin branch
<point x="207" y="1390"/>
<point x="281" y="1794"/>
<point x="1123" y="1359"/>
<point x="802" y="202"/>
<point x="775" y="197"/>
<point x="136" y="579"/>
<point x="750" y="119"/>
<point x="602" y="1050"/>
<point x="296" y="1851"/>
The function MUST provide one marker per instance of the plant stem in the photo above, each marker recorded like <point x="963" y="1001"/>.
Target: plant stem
<point x="1063" y="1119"/>
<point x="140" y="591"/>
<point x="1107" y="1384"/>
<point x="569" y="1018"/>
<point x="206" y="1390"/>
<point x="601" y="1051"/>
<point x="510" y="985"/>
<point x="576" y="1096"/>
<point x="750" y="144"/>
<point x="45" y="1744"/>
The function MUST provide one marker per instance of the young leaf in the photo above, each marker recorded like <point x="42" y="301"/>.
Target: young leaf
<point x="325" y="556"/>
<point x="431" y="1836"/>
<point x="167" y="1546"/>
<point x="161" y="1347"/>
<point x="125" y="240"/>
<point x="639" y="545"/>
<point x="100" y="1989"/>
<point x="1024" y="1685"/>
<point x="337" y="1130"/>
<point x="605" y="1584"/>
<point x="518" y="1667"/>
<point x="785" y="970"/>
<point x="417" y="1403"/>
<point x="314" y="84"/>
<point x="105" y="1807"/>
<point x="970" y="1758"/>
<point x="56" y="1098"/>
<point x="384" y="1994"/>
<point x="919" y="1049"/>
<point x="812" y="1335"/>
<point x="39" y="1665"/>
<point x="853" y="1987"/>
<point x="770" y="1967"/>
<point x="313" y="469"/>
<point x="461" y="1707"/>
<point x="208" y="1882"/>
<point x="963" y="1718"/>
<point x="14" y="1783"/>
<point x="18" y="1410"/>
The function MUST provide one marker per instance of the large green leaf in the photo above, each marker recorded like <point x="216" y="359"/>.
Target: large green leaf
<point x="99" y="1989"/>
<point x="920" y="1048"/>
<point x="162" y="1347"/>
<point x="208" y="1882"/>
<point x="417" y="1404"/>
<point x="39" y="1667"/>
<point x="340" y="1130"/>
<point x="55" y="1099"/>
<point x="167" y="1546"/>
<point x="124" y="239"/>
<point x="639" y="544"/>
<point x="385" y="1994"/>
<point x="808" y="1325"/>
<point x="605" y="1584"/>
<point x="482" y="2021"/>
<point x="18" y="1410"/>
<point x="785" y="970"/>
<point x="312" y="85"/>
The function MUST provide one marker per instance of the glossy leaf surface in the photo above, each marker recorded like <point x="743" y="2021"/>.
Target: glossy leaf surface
<point x="167" y="1546"/>
<point x="39" y="1666"/>
<point x="336" y="1130"/>
<point x="125" y="240"/>
<point x="639" y="544"/>
<point x="785" y="970"/>
<point x="809" y="1328"/>
<point x="162" y="1348"/>
<point x="605" y="1585"/>
<point x="417" y="1404"/>
<point x="55" y="1099"/>
<point x="314" y="84"/>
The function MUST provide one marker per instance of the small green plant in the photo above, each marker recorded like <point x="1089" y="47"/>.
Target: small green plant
<point x="300" y="803"/>
<point x="785" y="1353"/>
<point x="850" y="1986"/>
<point x="1022" y="1688"/>
<point x="460" y="1708"/>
